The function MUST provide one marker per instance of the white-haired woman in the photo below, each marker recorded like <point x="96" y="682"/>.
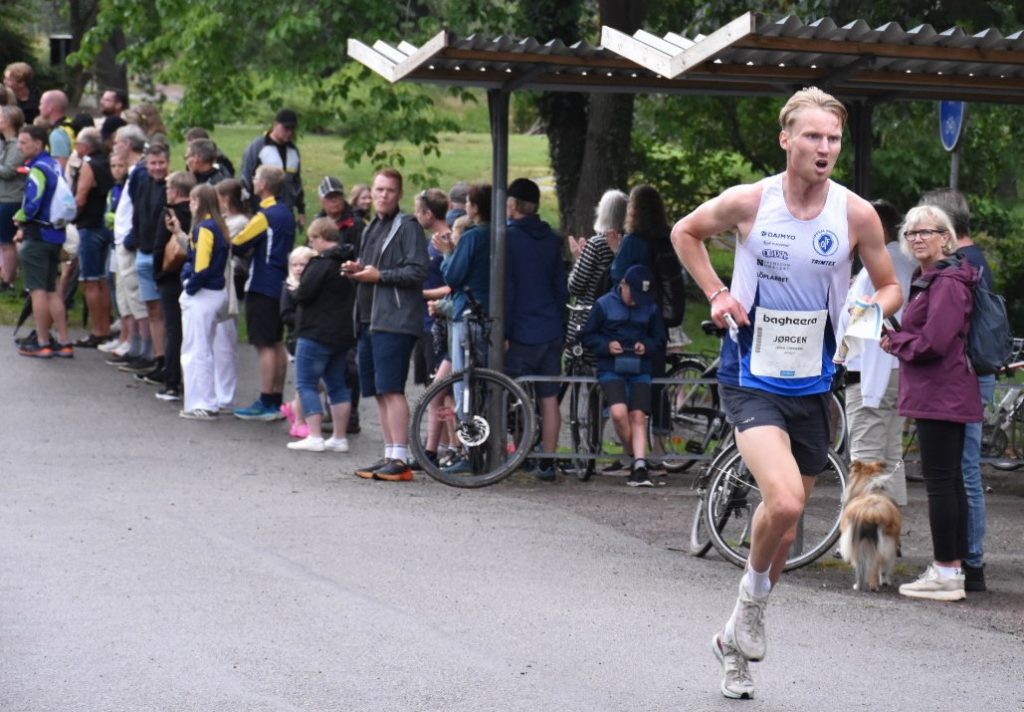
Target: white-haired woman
<point x="938" y="388"/>
<point x="590" y="276"/>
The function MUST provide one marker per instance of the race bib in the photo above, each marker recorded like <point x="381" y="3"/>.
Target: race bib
<point x="788" y="344"/>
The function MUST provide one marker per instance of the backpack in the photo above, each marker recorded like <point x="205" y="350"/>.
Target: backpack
<point x="63" y="207"/>
<point x="669" y="278"/>
<point x="989" y="343"/>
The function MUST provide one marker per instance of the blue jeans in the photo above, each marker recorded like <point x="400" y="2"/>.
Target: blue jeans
<point x="971" y="466"/>
<point x="315" y="361"/>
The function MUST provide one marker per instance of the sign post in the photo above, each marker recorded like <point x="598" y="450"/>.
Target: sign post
<point x="951" y="124"/>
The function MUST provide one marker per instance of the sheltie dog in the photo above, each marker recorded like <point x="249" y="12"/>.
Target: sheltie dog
<point x="870" y="526"/>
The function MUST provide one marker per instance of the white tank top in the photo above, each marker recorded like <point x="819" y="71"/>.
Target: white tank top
<point x="791" y="276"/>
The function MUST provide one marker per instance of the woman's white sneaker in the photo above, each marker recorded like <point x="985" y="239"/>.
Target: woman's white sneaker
<point x="336" y="444"/>
<point x="934" y="587"/>
<point x="309" y="444"/>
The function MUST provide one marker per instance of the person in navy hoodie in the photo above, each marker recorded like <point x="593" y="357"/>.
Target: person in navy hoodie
<point x="625" y="331"/>
<point x="535" y="298"/>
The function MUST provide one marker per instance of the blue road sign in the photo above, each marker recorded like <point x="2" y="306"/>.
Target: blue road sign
<point x="951" y="122"/>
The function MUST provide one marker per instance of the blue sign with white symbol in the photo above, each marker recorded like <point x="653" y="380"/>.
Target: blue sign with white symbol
<point x="951" y="122"/>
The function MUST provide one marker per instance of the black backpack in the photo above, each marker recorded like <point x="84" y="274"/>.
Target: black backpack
<point x="669" y="279"/>
<point x="989" y="344"/>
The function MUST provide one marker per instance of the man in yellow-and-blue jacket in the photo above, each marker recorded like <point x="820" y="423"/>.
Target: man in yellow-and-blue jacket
<point x="270" y="235"/>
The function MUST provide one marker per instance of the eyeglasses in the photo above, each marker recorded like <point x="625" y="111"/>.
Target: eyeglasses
<point x="924" y="233"/>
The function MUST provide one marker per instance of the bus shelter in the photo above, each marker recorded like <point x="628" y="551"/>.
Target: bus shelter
<point x="750" y="56"/>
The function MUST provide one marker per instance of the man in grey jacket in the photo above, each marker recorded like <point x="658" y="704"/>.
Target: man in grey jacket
<point x="390" y="271"/>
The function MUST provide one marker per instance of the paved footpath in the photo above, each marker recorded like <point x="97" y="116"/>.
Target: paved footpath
<point x="153" y="563"/>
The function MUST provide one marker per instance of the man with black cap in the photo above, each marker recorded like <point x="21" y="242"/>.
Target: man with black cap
<point x="623" y="330"/>
<point x="334" y="206"/>
<point x="277" y="148"/>
<point x="535" y="298"/>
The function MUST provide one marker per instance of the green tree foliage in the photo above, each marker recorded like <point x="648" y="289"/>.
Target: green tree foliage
<point x="231" y="55"/>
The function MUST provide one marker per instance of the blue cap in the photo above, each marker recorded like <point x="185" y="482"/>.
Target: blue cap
<point x="641" y="284"/>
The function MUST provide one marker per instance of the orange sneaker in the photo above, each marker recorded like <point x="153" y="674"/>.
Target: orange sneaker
<point x="394" y="471"/>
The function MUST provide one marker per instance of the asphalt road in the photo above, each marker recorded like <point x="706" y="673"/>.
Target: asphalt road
<point x="153" y="563"/>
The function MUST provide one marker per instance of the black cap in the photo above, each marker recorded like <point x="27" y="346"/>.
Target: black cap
<point x="524" y="189"/>
<point x="287" y="118"/>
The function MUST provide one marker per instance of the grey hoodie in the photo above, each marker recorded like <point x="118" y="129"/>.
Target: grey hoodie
<point x="400" y="254"/>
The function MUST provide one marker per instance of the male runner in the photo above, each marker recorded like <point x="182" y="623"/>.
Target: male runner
<point x="797" y="231"/>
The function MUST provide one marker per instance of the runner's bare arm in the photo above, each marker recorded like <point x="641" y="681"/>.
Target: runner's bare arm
<point x="866" y="234"/>
<point x="734" y="209"/>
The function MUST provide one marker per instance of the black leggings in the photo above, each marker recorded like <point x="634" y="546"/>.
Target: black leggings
<point x="942" y="447"/>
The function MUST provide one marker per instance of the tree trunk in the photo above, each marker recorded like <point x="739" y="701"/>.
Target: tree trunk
<point x="607" y="147"/>
<point x="110" y="73"/>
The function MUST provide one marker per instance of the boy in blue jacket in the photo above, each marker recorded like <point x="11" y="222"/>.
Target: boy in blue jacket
<point x="624" y="330"/>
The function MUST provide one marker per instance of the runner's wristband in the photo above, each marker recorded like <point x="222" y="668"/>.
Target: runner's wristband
<point x="714" y="294"/>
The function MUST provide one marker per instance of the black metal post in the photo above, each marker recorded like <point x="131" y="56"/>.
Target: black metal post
<point x="861" y="129"/>
<point x="498" y="104"/>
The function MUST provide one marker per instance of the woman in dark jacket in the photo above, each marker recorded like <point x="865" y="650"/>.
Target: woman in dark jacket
<point x="325" y="335"/>
<point x="939" y="388"/>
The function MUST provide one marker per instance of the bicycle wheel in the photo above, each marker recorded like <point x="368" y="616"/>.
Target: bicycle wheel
<point x="496" y="439"/>
<point x="840" y="426"/>
<point x="585" y="428"/>
<point x="688" y="404"/>
<point x="700" y="539"/>
<point x="733" y="497"/>
<point x="1007" y="444"/>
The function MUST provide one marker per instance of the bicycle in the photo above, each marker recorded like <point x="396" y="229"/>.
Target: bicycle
<point x="698" y="424"/>
<point x="1002" y="433"/>
<point x="585" y="421"/>
<point x="712" y="432"/>
<point x="733" y="496"/>
<point x="493" y="419"/>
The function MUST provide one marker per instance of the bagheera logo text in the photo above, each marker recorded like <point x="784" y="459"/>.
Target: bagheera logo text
<point x="789" y="320"/>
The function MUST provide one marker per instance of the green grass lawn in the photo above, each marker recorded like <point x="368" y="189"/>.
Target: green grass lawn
<point x="464" y="156"/>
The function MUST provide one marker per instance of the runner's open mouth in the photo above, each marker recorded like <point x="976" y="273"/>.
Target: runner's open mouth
<point x="821" y="163"/>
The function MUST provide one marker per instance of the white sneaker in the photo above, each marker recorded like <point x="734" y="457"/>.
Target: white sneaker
<point x="935" y="588"/>
<point x="748" y="625"/>
<point x="737" y="684"/>
<point x="336" y="444"/>
<point x="121" y="349"/>
<point x="109" y="345"/>
<point x="198" y="414"/>
<point x="309" y="444"/>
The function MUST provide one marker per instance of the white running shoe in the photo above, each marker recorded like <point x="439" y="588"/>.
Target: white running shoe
<point x="737" y="684"/>
<point x="935" y="588"/>
<point x="336" y="444"/>
<point x="309" y="444"/>
<point x="198" y="414"/>
<point x="109" y="345"/>
<point x="748" y="625"/>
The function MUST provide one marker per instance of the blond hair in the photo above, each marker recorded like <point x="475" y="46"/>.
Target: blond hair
<point x="301" y="252"/>
<point x="811" y="97"/>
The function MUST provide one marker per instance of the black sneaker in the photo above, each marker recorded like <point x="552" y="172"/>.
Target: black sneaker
<point x="169" y="394"/>
<point x="139" y="364"/>
<point x="91" y="341"/>
<point x="367" y="472"/>
<point x="638" y="477"/>
<point x="119" y="359"/>
<point x="546" y="473"/>
<point x="974" y="578"/>
<point x="394" y="471"/>
<point x="34" y="349"/>
<point x="154" y="378"/>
